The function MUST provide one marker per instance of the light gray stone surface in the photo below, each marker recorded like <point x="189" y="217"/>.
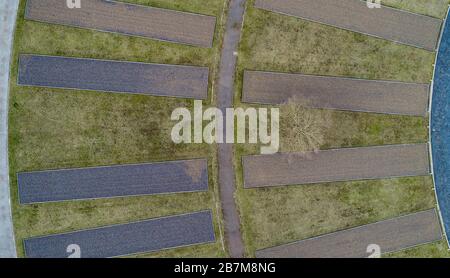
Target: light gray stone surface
<point x="8" y="11"/>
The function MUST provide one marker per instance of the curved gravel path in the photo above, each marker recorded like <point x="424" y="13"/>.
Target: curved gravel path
<point x="225" y="100"/>
<point x="8" y="11"/>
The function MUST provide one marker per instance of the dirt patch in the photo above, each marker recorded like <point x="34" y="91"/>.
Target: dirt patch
<point x="195" y="169"/>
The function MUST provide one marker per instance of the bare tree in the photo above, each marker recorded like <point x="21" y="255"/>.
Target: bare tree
<point x="302" y="129"/>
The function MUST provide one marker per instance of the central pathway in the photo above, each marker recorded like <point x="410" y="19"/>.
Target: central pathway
<point x="225" y="100"/>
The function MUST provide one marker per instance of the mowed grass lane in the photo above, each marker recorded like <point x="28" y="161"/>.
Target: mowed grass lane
<point x="55" y="128"/>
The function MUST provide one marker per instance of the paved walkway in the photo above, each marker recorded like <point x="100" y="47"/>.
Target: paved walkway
<point x="8" y="10"/>
<point x="225" y="100"/>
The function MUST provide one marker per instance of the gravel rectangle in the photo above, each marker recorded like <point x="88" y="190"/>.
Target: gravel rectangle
<point x="126" y="239"/>
<point x="129" y="19"/>
<point x="336" y="165"/>
<point x="354" y="15"/>
<point x="339" y="93"/>
<point x="390" y="235"/>
<point x="113" y="181"/>
<point x="113" y="76"/>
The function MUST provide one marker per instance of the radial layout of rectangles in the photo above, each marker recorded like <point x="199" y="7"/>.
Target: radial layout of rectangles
<point x="113" y="181"/>
<point x="354" y="15"/>
<point x="129" y="19"/>
<point x="389" y="235"/>
<point x="337" y="93"/>
<point x="113" y="76"/>
<point x="336" y="165"/>
<point x="126" y="239"/>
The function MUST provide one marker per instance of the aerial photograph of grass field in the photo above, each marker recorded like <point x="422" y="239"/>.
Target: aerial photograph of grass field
<point x="245" y="129"/>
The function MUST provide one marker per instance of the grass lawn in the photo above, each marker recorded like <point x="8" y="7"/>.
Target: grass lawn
<point x="274" y="42"/>
<point x="55" y="128"/>
<point x="435" y="8"/>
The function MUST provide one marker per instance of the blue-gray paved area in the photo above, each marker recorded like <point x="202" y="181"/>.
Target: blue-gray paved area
<point x="440" y="127"/>
<point x="113" y="181"/>
<point x="126" y="239"/>
<point x="114" y="76"/>
<point x="8" y="11"/>
<point x="127" y="19"/>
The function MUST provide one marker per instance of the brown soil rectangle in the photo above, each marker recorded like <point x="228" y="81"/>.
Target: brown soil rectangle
<point x="129" y="19"/>
<point x="390" y="235"/>
<point x="339" y="93"/>
<point x="336" y="165"/>
<point x="354" y="15"/>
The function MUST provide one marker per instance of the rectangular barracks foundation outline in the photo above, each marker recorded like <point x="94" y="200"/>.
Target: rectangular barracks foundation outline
<point x="354" y="15"/>
<point x="340" y="93"/>
<point x="127" y="19"/>
<point x="113" y="181"/>
<point x="127" y="239"/>
<point x="345" y="164"/>
<point x="113" y="76"/>
<point x="390" y="235"/>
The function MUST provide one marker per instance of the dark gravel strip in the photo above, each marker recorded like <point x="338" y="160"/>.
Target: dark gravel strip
<point x="113" y="76"/>
<point x="225" y="91"/>
<point x="113" y="181"/>
<point x="126" y="239"/>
